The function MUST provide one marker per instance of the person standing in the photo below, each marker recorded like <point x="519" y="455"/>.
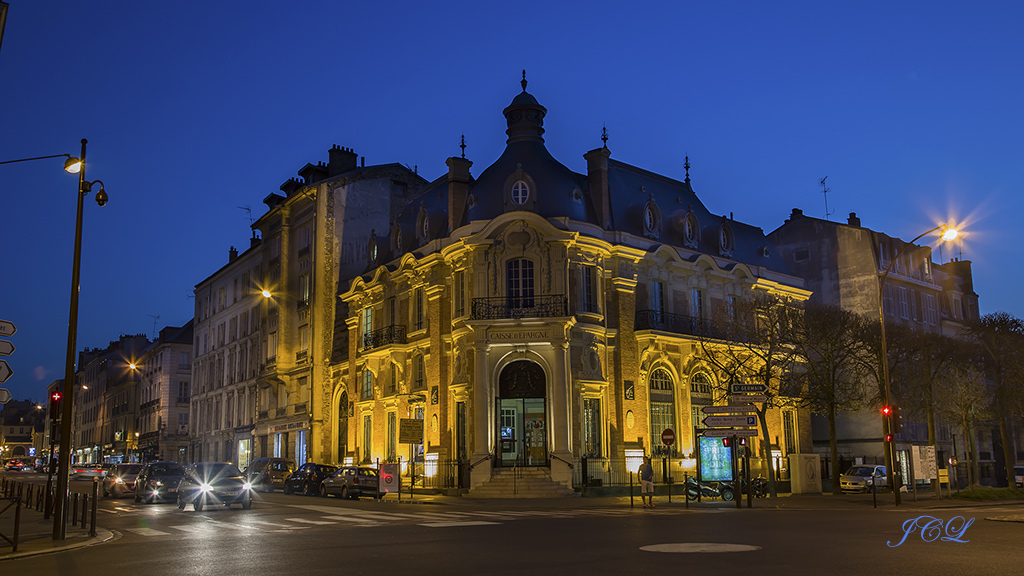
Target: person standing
<point x="646" y="473"/>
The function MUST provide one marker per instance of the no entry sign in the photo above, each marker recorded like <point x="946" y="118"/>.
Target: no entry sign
<point x="668" y="437"/>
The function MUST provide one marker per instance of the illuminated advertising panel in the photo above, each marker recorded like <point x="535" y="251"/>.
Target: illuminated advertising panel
<point x="715" y="460"/>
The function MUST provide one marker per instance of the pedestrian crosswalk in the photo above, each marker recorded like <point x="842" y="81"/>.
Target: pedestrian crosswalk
<point x="305" y="517"/>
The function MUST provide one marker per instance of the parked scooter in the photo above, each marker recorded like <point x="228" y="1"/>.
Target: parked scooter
<point x="722" y="490"/>
<point x="760" y="485"/>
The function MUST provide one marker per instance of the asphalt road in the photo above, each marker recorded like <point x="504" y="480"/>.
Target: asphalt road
<point x="285" y="535"/>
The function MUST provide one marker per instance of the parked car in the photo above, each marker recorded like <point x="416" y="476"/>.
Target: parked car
<point x="860" y="478"/>
<point x="213" y="483"/>
<point x="83" y="471"/>
<point x="307" y="478"/>
<point x="120" y="481"/>
<point x="352" y="482"/>
<point x="265" y="474"/>
<point x="14" y="466"/>
<point x="158" y="481"/>
<point x="1018" y="476"/>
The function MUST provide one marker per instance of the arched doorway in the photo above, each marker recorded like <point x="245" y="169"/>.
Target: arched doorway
<point x="522" y="421"/>
<point x="342" y="427"/>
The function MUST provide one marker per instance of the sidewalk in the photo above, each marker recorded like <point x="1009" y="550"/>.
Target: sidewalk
<point x="35" y="536"/>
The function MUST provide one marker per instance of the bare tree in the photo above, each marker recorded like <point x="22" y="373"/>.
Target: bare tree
<point x="751" y="343"/>
<point x="831" y="373"/>
<point x="961" y="395"/>
<point x="1002" y="336"/>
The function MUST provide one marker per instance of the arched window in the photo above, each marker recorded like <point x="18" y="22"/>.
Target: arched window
<point x="342" y="427"/>
<point x="419" y="374"/>
<point x="519" y="283"/>
<point x="663" y="409"/>
<point x="699" y="384"/>
<point x="520" y="192"/>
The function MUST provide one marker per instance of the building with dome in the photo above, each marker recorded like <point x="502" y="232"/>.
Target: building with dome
<point x="541" y="320"/>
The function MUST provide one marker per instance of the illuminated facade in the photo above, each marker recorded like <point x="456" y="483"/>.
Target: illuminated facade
<point x="533" y="316"/>
<point x="165" y="369"/>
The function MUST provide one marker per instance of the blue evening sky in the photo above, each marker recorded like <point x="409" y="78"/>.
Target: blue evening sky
<point x="912" y="109"/>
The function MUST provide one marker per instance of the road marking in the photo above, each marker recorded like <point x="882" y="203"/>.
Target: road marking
<point x="306" y="521"/>
<point x="453" y="524"/>
<point x="269" y="523"/>
<point x="190" y="528"/>
<point x="147" y="532"/>
<point x="699" y="547"/>
<point x="356" y="519"/>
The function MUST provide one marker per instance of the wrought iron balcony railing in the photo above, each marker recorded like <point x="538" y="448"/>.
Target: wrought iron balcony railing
<point x="545" y="306"/>
<point x="688" y="325"/>
<point x="393" y="334"/>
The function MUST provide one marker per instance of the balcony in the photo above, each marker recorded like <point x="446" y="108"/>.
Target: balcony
<point x="687" y="325"/>
<point x="545" y="306"/>
<point x="385" y="336"/>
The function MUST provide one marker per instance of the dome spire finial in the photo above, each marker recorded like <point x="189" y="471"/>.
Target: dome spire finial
<point x="604" y="136"/>
<point x="686" y="165"/>
<point x="524" y="80"/>
<point x="463" y="145"/>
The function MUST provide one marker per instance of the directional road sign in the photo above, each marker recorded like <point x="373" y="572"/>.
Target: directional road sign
<point x="668" y="436"/>
<point x="7" y="328"/>
<point x="6" y="348"/>
<point x="726" y="409"/>
<point x="5" y="371"/>
<point x="722" y="433"/>
<point x="734" y="420"/>
<point x="749" y="388"/>
<point x="748" y="398"/>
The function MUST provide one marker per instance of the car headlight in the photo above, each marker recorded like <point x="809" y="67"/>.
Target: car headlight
<point x="247" y="486"/>
<point x="205" y="487"/>
<point x="118" y="480"/>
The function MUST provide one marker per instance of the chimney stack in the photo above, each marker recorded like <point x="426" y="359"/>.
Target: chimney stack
<point x="597" y="174"/>
<point x="853" y="220"/>
<point x="232" y="254"/>
<point x="340" y="160"/>
<point x="458" y="190"/>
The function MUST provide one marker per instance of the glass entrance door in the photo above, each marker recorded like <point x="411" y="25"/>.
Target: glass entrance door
<point x="522" y="432"/>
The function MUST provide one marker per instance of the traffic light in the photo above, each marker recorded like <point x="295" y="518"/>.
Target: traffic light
<point x="886" y="411"/>
<point x="725" y="441"/>
<point x="897" y="420"/>
<point x="888" y="437"/>
<point x="743" y="441"/>
<point x="55" y="397"/>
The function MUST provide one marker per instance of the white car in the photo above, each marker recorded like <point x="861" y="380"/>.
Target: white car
<point x="860" y="478"/>
<point x="1018" y="476"/>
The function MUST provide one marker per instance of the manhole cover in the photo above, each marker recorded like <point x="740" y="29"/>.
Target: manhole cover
<point x="699" y="547"/>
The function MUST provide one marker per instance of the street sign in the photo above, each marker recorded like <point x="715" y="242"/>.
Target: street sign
<point x="748" y="398"/>
<point x="5" y="371"/>
<point x="7" y="328"/>
<point x="6" y="348"/>
<point x="749" y="388"/>
<point x="747" y="433"/>
<point x="736" y="420"/>
<point x="726" y="409"/>
<point x="668" y="437"/>
<point x="388" y="479"/>
<point x="5" y="396"/>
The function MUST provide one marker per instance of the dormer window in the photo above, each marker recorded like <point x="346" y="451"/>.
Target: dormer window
<point x="691" y="230"/>
<point x="652" y="218"/>
<point x="649" y="219"/>
<point x="726" y="242"/>
<point x="426" y="227"/>
<point x="520" y="192"/>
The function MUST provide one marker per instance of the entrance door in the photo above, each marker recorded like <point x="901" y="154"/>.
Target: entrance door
<point x="522" y="418"/>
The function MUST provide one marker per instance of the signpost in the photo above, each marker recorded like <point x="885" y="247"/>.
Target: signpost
<point x="6" y="348"/>
<point x="7" y="328"/>
<point x="5" y="396"/>
<point x="733" y="420"/>
<point x="410" y="431"/>
<point x="727" y="409"/>
<point x="726" y="432"/>
<point x="749" y="388"/>
<point x="668" y="437"/>
<point x="748" y="398"/>
<point x="5" y="371"/>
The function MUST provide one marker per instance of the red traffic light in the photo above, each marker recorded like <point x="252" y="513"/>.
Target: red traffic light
<point x="725" y="442"/>
<point x="56" y="396"/>
<point x="888" y="437"/>
<point x="886" y="410"/>
<point x="743" y="441"/>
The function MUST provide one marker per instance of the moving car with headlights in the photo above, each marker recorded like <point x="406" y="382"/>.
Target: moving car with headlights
<point x="158" y="481"/>
<point x="265" y="474"/>
<point x="213" y="483"/>
<point x="860" y="478"/>
<point x="15" y="466"/>
<point x="83" y="471"/>
<point x="120" y="481"/>
<point x="352" y="482"/>
<point x="307" y="478"/>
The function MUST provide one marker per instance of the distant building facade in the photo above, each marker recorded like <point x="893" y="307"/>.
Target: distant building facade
<point x="164" y="391"/>
<point x="842" y="263"/>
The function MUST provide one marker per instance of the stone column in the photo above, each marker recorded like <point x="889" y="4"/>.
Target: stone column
<point x="561" y="450"/>
<point x="481" y="471"/>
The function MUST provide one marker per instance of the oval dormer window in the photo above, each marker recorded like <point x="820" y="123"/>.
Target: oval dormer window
<point x="426" y="227"/>
<point x="725" y="240"/>
<point x="520" y="192"/>
<point x="649" y="218"/>
<point x="398" y="240"/>
<point x="690" y="230"/>
<point x="373" y="251"/>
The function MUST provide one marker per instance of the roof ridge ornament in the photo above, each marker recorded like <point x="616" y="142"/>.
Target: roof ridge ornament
<point x="604" y="135"/>
<point x="524" y="80"/>
<point x="686" y="165"/>
<point x="463" y="145"/>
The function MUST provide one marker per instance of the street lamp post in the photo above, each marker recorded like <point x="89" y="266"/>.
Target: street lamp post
<point x="948" y="235"/>
<point x="64" y="461"/>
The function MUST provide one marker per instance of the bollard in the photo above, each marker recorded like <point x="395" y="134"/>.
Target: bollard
<point x="631" y="489"/>
<point x="74" y="508"/>
<point x="85" y="506"/>
<point x="95" y="498"/>
<point x="686" y="495"/>
<point x="17" y="522"/>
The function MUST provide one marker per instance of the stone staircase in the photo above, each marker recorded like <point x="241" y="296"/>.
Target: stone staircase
<point x="526" y="482"/>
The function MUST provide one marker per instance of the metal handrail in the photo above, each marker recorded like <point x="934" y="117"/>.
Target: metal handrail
<point x="571" y="465"/>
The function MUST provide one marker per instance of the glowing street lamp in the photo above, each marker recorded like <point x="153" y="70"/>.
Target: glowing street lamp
<point x="949" y="233"/>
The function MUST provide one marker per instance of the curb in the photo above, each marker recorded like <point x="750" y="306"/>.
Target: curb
<point x="101" y="537"/>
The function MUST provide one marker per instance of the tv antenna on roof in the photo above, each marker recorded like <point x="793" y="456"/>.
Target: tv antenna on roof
<point x="825" y="190"/>
<point x="155" y="319"/>
<point x="249" y="212"/>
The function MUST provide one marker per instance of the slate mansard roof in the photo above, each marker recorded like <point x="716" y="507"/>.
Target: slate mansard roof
<point x="558" y="192"/>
